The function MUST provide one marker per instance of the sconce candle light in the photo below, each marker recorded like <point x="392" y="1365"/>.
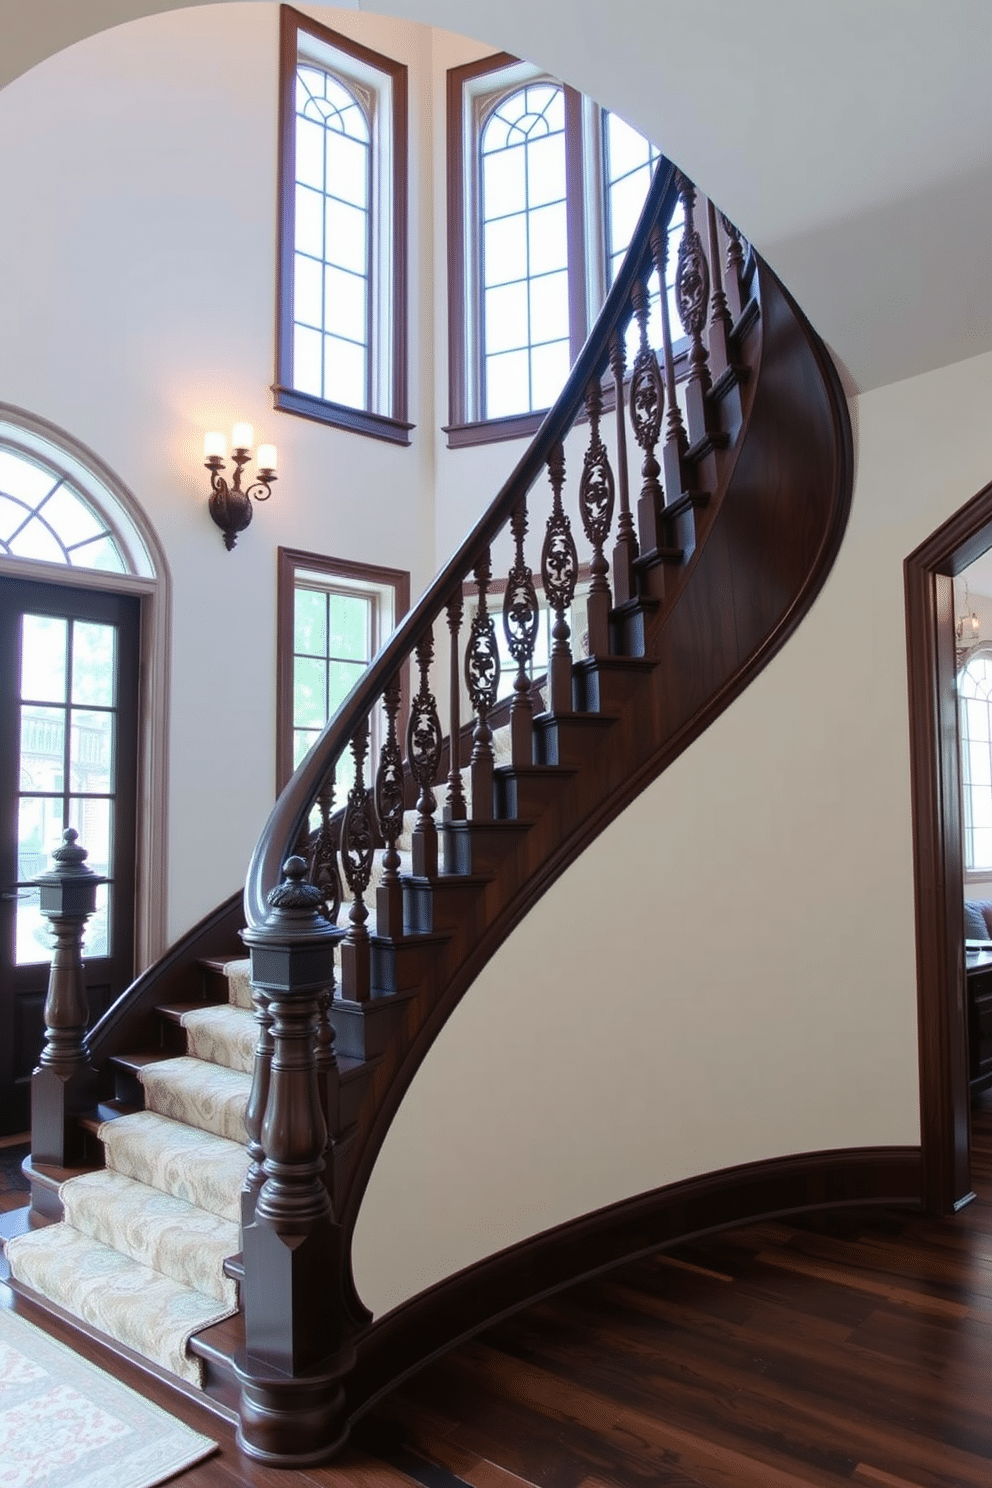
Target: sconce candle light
<point x="229" y="506"/>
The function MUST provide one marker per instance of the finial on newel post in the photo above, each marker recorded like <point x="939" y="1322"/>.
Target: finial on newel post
<point x="297" y="1350"/>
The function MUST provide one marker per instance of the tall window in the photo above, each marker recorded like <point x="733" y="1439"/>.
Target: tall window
<point x="975" y="725"/>
<point x="333" y="618"/>
<point x="342" y="291"/>
<point x="546" y="189"/>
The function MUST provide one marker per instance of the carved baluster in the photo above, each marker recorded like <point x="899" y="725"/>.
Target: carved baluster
<point x="258" y="1097"/>
<point x="596" y="495"/>
<point x="389" y="810"/>
<point x="296" y="1330"/>
<point x="482" y="680"/>
<point x="735" y="268"/>
<point x="625" y="551"/>
<point x="423" y="748"/>
<point x="647" y="404"/>
<point x="357" y="851"/>
<point x="328" y="1085"/>
<point x="521" y="617"/>
<point x="692" y="297"/>
<point x="64" y="1084"/>
<point x="324" y="857"/>
<point x="720" y="322"/>
<point x="676" y="443"/>
<point x="455" y="809"/>
<point x="559" y="572"/>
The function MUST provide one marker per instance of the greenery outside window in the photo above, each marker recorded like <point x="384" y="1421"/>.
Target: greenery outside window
<point x="334" y="616"/>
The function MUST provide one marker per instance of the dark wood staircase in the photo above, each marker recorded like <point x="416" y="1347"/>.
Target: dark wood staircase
<point x="707" y="584"/>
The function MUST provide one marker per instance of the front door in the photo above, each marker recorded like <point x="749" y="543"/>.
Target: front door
<point x="68" y="758"/>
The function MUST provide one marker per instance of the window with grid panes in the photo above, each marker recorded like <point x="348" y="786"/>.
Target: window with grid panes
<point x="547" y="190"/>
<point x="975" y="733"/>
<point x="342" y="297"/>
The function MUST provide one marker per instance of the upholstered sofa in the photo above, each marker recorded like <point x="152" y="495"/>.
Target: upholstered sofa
<point x="978" y="919"/>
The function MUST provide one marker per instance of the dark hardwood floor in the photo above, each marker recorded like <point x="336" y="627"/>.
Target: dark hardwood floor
<point x="848" y="1349"/>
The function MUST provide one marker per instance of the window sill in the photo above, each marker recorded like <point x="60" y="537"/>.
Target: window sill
<point x="356" y="420"/>
<point x="491" y="431"/>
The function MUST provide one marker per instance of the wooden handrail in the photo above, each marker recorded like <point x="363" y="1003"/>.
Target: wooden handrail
<point x="283" y="828"/>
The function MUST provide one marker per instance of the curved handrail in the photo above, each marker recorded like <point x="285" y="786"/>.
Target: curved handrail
<point x="286" y="820"/>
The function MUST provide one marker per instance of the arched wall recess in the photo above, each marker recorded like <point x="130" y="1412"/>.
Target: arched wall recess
<point x="146" y="574"/>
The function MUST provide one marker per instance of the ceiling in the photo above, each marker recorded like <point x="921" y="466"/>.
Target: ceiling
<point x="849" y="140"/>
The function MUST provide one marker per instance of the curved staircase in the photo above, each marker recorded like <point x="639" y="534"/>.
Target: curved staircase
<point x="728" y="470"/>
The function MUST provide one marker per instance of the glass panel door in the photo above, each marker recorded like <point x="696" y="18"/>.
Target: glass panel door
<point x="68" y="695"/>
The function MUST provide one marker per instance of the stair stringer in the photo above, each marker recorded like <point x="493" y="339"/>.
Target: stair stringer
<point x="765" y="545"/>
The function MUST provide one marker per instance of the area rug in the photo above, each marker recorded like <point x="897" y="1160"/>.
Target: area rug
<point x="64" y="1422"/>
<point x="12" y="1179"/>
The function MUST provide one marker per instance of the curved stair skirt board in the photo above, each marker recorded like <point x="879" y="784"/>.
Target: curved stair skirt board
<point x="767" y="478"/>
<point x="457" y="1308"/>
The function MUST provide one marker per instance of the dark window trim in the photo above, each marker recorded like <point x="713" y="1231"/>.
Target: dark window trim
<point x="461" y="430"/>
<point x="290" y="560"/>
<point x="393" y="426"/>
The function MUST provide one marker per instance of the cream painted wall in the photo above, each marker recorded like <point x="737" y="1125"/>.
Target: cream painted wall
<point x="138" y="179"/>
<point x="733" y="958"/>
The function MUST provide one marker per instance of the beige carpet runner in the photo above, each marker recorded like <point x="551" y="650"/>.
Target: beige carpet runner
<point x="140" y="1253"/>
<point x="141" y="1250"/>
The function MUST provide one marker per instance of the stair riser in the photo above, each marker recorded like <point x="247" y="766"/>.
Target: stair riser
<point x="475" y="847"/>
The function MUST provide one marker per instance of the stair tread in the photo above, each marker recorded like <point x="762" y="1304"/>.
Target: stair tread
<point x="185" y="1161"/>
<point x="153" y="1228"/>
<point x="130" y="1302"/>
<point x="208" y="1096"/>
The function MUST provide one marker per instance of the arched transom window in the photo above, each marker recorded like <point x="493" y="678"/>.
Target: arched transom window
<point x="43" y="517"/>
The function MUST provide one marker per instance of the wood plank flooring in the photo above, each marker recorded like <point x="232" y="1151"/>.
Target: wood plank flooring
<point x="803" y="1354"/>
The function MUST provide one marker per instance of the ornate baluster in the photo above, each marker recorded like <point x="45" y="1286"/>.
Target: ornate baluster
<point x="357" y="851"/>
<point x="64" y="1084"/>
<point x="482" y="680"/>
<point x="720" y="321"/>
<point x="559" y="572"/>
<point x="324" y="858"/>
<point x="423" y="748"/>
<point x="258" y="1097"/>
<point x="521" y="617"/>
<point x="596" y="494"/>
<point x="455" y="809"/>
<point x="692" y="297"/>
<point x="676" y="443"/>
<point x="647" y="404"/>
<point x="389" y="810"/>
<point x="625" y="551"/>
<point x="735" y="268"/>
<point x="296" y="1345"/>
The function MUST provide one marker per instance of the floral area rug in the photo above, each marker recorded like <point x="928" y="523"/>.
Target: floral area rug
<point x="66" y="1424"/>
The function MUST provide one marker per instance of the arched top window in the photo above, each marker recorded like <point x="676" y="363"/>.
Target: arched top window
<point x="342" y="250"/>
<point x="332" y="303"/>
<point x="975" y="732"/>
<point x="42" y="517"/>
<point x="60" y="505"/>
<point x="524" y="250"/>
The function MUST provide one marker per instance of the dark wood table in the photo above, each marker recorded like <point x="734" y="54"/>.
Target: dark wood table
<point x="978" y="970"/>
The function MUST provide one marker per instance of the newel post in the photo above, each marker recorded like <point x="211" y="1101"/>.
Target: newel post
<point x="297" y="1351"/>
<point x="64" y="1084"/>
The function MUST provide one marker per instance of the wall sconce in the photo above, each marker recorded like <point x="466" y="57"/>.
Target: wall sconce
<point x="967" y="631"/>
<point x="229" y="506"/>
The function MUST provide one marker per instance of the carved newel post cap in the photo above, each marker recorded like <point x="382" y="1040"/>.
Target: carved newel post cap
<point x="70" y="887"/>
<point x="293" y="947"/>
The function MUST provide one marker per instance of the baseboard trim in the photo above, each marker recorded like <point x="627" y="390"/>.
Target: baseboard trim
<point x="429" y="1324"/>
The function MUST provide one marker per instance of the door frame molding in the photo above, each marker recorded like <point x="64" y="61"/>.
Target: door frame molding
<point x="152" y="583"/>
<point x="935" y="772"/>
